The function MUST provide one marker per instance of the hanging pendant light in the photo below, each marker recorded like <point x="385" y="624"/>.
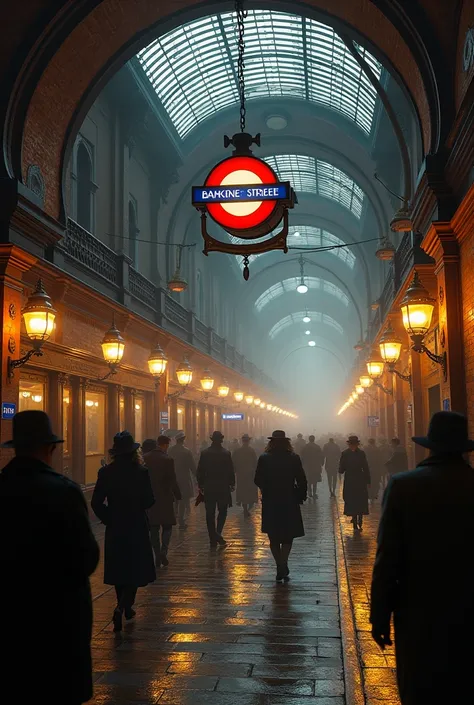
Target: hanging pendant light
<point x="302" y="288"/>
<point x="178" y="283"/>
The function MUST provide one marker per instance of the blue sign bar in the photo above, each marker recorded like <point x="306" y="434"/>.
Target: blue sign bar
<point x="8" y="410"/>
<point x="232" y="194"/>
<point x="233" y="417"/>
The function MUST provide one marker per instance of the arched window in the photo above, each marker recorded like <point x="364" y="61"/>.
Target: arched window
<point x="133" y="231"/>
<point x="84" y="188"/>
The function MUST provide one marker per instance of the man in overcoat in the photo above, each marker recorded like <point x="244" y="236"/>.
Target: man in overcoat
<point x="216" y="480"/>
<point x="353" y="465"/>
<point x="398" y="461"/>
<point x="166" y="490"/>
<point x="424" y="572"/>
<point x="185" y="469"/>
<point x="47" y="553"/>
<point x="245" y="463"/>
<point x="332" y="455"/>
<point x="312" y="458"/>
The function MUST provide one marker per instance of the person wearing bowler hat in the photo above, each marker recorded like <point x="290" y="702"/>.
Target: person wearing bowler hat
<point x="245" y="463"/>
<point x="424" y="572"/>
<point x="216" y="480"/>
<point x="47" y="553"/>
<point x="282" y="481"/>
<point x="355" y="468"/>
<point x="121" y="497"/>
<point x="185" y="469"/>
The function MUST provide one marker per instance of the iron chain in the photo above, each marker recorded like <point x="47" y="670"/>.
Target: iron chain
<point x="242" y="15"/>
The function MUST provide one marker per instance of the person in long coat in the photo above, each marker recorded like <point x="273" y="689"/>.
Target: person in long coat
<point x="47" y="553"/>
<point x="353" y="465"/>
<point x="424" y="572"/>
<point x="185" y="469"/>
<point x="216" y="480"/>
<point x="398" y="461"/>
<point x="282" y="481"/>
<point x="312" y="458"/>
<point x="332" y="456"/>
<point x="245" y="463"/>
<point x="121" y="497"/>
<point x="372" y="454"/>
<point x="161" y="515"/>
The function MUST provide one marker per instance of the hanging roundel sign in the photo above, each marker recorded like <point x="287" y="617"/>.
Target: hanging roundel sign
<point x="243" y="195"/>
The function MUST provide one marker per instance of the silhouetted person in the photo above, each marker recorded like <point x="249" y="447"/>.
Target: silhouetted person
<point x="312" y="459"/>
<point x="386" y="453"/>
<point x="245" y="463"/>
<point x="299" y="443"/>
<point x="280" y="477"/>
<point x="375" y="467"/>
<point x="185" y="469"/>
<point x="161" y="515"/>
<point x="353" y="465"/>
<point x="235" y="445"/>
<point x="424" y="573"/>
<point x="47" y="553"/>
<point x="121" y="497"/>
<point x="216" y="480"/>
<point x="332" y="456"/>
<point x="398" y="461"/>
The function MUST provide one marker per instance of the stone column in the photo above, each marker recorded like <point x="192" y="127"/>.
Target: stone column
<point x="78" y="454"/>
<point x="441" y="244"/>
<point x="173" y="404"/>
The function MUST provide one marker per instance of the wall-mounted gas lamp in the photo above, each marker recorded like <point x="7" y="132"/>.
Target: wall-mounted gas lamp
<point x="390" y="349"/>
<point x="375" y="370"/>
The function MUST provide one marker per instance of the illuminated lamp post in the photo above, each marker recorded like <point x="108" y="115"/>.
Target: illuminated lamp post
<point x="223" y="390"/>
<point x="184" y="375"/>
<point x="113" y="347"/>
<point x="238" y="396"/>
<point x="207" y="383"/>
<point x="390" y="350"/>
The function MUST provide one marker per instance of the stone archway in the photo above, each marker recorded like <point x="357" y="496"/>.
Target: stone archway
<point x="110" y="34"/>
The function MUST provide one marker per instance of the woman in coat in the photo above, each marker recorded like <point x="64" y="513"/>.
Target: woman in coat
<point x="245" y="463"/>
<point x="125" y="485"/>
<point x="353" y="465"/>
<point x="280" y="477"/>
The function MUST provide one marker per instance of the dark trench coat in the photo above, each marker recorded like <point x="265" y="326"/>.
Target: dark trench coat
<point x="424" y="576"/>
<point x="185" y="469"/>
<point x="282" y="480"/>
<point x="128" y="557"/>
<point x="215" y="474"/>
<point x="165" y="488"/>
<point x="353" y="465"/>
<point x="47" y="553"/>
<point x="312" y="458"/>
<point x="245" y="463"/>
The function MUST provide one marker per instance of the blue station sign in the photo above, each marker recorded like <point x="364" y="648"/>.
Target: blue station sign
<point x="233" y="417"/>
<point x="233" y="194"/>
<point x="8" y="410"/>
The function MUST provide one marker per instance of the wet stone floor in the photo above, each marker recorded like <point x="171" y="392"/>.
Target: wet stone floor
<point x="216" y="628"/>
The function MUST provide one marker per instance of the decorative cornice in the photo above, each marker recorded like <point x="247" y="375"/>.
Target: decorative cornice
<point x="29" y="220"/>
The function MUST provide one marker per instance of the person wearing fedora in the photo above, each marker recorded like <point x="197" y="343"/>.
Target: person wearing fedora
<point x="161" y="515"/>
<point x="424" y="572"/>
<point x="245" y="463"/>
<point x="47" y="553"/>
<point x="185" y="469"/>
<point x="216" y="480"/>
<point x="312" y="458"/>
<point x="355" y="468"/>
<point x="121" y="496"/>
<point x="282" y="481"/>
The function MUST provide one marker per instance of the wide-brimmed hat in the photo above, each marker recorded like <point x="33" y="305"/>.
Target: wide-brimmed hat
<point x="447" y="433"/>
<point x="180" y="435"/>
<point x="279" y="436"/>
<point x="246" y="437"/>
<point x="30" y="429"/>
<point x="217" y="436"/>
<point x="123" y="443"/>
<point x="148" y="445"/>
<point x="353" y="439"/>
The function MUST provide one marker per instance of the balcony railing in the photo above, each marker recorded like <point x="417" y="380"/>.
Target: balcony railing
<point x="80" y="247"/>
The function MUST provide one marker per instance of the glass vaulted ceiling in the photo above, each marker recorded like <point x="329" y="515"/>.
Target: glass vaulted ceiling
<point x="289" y="286"/>
<point x="316" y="317"/>
<point x="193" y="68"/>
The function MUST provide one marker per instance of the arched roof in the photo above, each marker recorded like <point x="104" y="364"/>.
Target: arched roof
<point x="297" y="318"/>
<point x="193" y="69"/>
<point x="289" y="285"/>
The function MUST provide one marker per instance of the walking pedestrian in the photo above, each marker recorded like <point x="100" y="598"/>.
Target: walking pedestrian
<point x="121" y="497"/>
<point x="216" y="480"/>
<point x="245" y="463"/>
<point x="312" y="459"/>
<point x="185" y="469"/>
<point x="282" y="481"/>
<point x="161" y="515"/>
<point x="375" y="468"/>
<point x="353" y="465"/>
<point x="398" y="462"/>
<point x="299" y="443"/>
<point x="423" y="572"/>
<point x="47" y="553"/>
<point x="332" y="456"/>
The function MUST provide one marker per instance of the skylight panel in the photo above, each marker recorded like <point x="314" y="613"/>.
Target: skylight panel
<point x="297" y="318"/>
<point x="311" y="237"/>
<point x="289" y="286"/>
<point x="193" y="67"/>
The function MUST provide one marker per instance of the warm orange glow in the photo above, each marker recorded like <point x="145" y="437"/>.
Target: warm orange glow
<point x="238" y="396"/>
<point x="223" y="390"/>
<point x="207" y="381"/>
<point x="184" y="373"/>
<point x="157" y="362"/>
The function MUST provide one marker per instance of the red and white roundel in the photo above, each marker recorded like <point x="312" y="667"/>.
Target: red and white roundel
<point x="235" y="171"/>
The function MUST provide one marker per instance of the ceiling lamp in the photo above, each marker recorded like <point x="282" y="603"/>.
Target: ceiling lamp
<point x="312" y="343"/>
<point x="359" y="346"/>
<point x="302" y="288"/>
<point x="177" y="283"/>
<point x="207" y="381"/>
<point x="157" y="362"/>
<point x="375" y="305"/>
<point x="249" y="399"/>
<point x="306" y="319"/>
<point x="386" y="249"/>
<point x="276" y="122"/>
<point x="307" y="332"/>
<point x="238" y="396"/>
<point x="223" y="390"/>
<point x="402" y="220"/>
